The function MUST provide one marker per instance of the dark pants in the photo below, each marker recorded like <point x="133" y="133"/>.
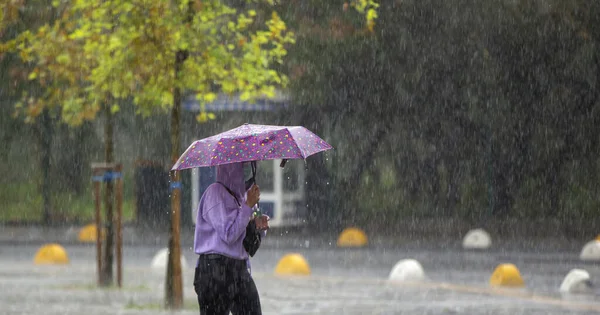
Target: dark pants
<point x="224" y="284"/>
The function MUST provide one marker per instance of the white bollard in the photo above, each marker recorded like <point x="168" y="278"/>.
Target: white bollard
<point x="407" y="270"/>
<point x="477" y="239"/>
<point x="159" y="262"/>
<point x="577" y="281"/>
<point x="591" y="251"/>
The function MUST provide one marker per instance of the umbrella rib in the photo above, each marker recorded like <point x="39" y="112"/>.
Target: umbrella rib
<point x="182" y="157"/>
<point x="296" y="143"/>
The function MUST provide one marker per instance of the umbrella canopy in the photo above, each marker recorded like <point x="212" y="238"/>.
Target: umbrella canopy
<point x="252" y="143"/>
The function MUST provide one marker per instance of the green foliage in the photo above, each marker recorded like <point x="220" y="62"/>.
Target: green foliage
<point x="22" y="204"/>
<point x="479" y="106"/>
<point x="127" y="50"/>
<point x="130" y="51"/>
<point x="369" y="9"/>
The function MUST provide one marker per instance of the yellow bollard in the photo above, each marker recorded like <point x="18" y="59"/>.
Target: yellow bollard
<point x="506" y="275"/>
<point x="352" y="237"/>
<point x="292" y="264"/>
<point x="51" y="254"/>
<point x="88" y="234"/>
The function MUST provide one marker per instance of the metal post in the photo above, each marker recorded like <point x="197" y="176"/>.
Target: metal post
<point x="119" y="230"/>
<point x="98" y="228"/>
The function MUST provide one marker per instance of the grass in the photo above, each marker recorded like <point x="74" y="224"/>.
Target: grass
<point x="21" y="203"/>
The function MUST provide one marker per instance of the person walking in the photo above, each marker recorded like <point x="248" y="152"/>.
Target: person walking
<point x="222" y="279"/>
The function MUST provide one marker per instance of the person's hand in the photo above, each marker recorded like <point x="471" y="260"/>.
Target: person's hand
<point x="262" y="222"/>
<point x="253" y="196"/>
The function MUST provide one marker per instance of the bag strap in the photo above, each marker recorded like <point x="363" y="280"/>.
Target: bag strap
<point x="232" y="194"/>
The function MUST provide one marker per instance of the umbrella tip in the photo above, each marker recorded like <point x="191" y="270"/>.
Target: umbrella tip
<point x="282" y="164"/>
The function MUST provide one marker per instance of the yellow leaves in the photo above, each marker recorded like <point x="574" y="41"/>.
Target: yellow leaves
<point x="368" y="8"/>
<point x="63" y="59"/>
<point x="209" y="97"/>
<point x="79" y="33"/>
<point x="204" y="117"/>
<point x="167" y="97"/>
<point x="114" y="43"/>
<point x="243" y="22"/>
<point x="245" y="96"/>
<point x="262" y="38"/>
<point x="7" y="46"/>
<point x="75" y="111"/>
<point x="33" y="74"/>
<point x="268" y="91"/>
<point x="371" y="16"/>
<point x="126" y="49"/>
<point x="60" y="67"/>
<point x="276" y="22"/>
<point x="231" y="26"/>
<point x="228" y="87"/>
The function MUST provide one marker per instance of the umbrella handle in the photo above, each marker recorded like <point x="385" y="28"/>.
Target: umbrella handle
<point x="256" y="212"/>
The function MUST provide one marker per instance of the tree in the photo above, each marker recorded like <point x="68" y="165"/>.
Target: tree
<point x="102" y="54"/>
<point x="18" y="16"/>
<point x="61" y="67"/>
<point x="162" y="49"/>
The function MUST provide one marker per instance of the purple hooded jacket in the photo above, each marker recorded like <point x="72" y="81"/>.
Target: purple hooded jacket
<point x="221" y="222"/>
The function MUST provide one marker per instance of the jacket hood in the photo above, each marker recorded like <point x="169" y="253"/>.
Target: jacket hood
<point x="232" y="176"/>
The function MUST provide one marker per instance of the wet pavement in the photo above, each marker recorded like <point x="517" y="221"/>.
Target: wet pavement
<point x="342" y="282"/>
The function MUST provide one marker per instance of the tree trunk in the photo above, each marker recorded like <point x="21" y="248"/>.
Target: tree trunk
<point x="174" y="281"/>
<point x="107" y="264"/>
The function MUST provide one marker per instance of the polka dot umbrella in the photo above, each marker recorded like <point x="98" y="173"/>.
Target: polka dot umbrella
<point x="252" y="143"/>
